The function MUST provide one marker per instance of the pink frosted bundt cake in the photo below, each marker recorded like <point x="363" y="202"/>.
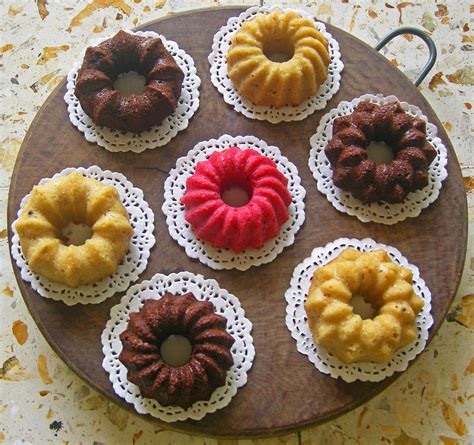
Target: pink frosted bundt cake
<point x="207" y="366"/>
<point x="227" y="226"/>
<point x="368" y="182"/>
<point x="123" y="53"/>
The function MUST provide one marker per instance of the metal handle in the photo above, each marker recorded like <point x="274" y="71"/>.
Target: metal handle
<point x="422" y="35"/>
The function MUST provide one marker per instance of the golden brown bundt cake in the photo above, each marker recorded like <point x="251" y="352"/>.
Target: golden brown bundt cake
<point x="383" y="284"/>
<point x="210" y="357"/>
<point x="405" y="134"/>
<point x="78" y="200"/>
<point x="120" y="54"/>
<point x="265" y="82"/>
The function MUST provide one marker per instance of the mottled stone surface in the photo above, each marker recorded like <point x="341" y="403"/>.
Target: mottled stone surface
<point x="42" y="401"/>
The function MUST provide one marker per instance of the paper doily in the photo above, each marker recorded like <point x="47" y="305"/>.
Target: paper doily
<point x="115" y="140"/>
<point x="296" y="319"/>
<point x="134" y="263"/>
<point x="221" y="81"/>
<point x="181" y="230"/>
<point x="384" y="213"/>
<point x="203" y="289"/>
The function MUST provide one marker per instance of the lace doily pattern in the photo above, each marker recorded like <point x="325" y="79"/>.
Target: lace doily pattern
<point x="222" y="82"/>
<point x="134" y="263"/>
<point x="181" y="230"/>
<point x="203" y="289"/>
<point x="383" y="213"/>
<point x="296" y="319"/>
<point x="158" y="136"/>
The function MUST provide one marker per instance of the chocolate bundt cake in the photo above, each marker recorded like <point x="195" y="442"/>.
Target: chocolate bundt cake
<point x="405" y="134"/>
<point x="210" y="358"/>
<point x="120" y="54"/>
<point x="267" y="82"/>
<point x="249" y="225"/>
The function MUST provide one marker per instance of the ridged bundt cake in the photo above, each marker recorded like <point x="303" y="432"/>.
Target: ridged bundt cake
<point x="368" y="182"/>
<point x="383" y="284"/>
<point x="265" y="82"/>
<point x="78" y="200"/>
<point x="120" y="54"/>
<point x="210" y="358"/>
<point x="230" y="227"/>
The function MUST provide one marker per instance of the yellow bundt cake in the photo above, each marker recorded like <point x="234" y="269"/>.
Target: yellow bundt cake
<point x="78" y="200"/>
<point x="267" y="82"/>
<point x="383" y="284"/>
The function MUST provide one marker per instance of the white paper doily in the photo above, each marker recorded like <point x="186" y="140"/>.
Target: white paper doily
<point x="220" y="78"/>
<point x="296" y="319"/>
<point x="134" y="263"/>
<point x="115" y="140"/>
<point x="226" y="304"/>
<point x="384" y="213"/>
<point x="181" y="230"/>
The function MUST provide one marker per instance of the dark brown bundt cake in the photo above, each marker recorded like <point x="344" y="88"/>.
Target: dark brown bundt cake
<point x="405" y="134"/>
<point x="123" y="53"/>
<point x="210" y="358"/>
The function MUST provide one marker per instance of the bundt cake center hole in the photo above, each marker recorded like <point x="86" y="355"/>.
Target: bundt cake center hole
<point x="130" y="83"/>
<point x="362" y="308"/>
<point x="380" y="152"/>
<point x="176" y="350"/>
<point x="76" y="234"/>
<point x="235" y="195"/>
<point x="278" y="51"/>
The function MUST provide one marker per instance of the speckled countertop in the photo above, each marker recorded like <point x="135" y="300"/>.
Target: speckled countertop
<point x="42" y="401"/>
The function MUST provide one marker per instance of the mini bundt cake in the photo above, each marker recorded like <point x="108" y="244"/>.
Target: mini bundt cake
<point x="383" y="284"/>
<point x="210" y="357"/>
<point x="237" y="228"/>
<point x="78" y="200"/>
<point x="120" y="54"/>
<point x="368" y="182"/>
<point x="265" y="82"/>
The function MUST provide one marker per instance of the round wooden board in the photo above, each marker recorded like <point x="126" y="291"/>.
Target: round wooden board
<point x="284" y="392"/>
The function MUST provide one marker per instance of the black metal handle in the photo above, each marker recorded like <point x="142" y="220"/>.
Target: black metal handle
<point x="422" y="35"/>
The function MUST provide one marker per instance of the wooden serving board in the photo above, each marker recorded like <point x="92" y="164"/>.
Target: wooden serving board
<point x="284" y="392"/>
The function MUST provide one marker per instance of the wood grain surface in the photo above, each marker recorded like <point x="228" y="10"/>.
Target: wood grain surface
<point x="284" y="392"/>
